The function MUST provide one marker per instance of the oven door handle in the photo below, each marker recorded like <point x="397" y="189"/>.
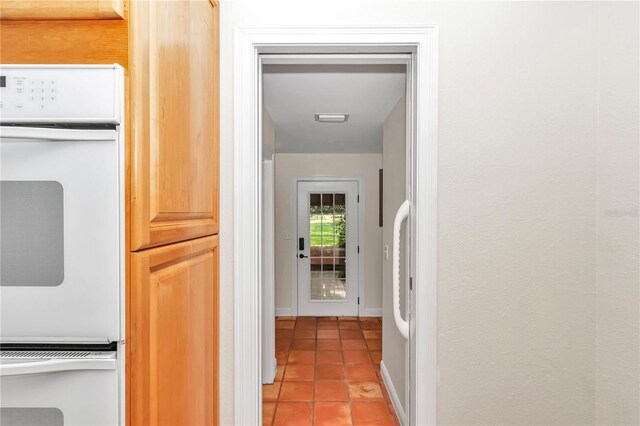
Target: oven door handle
<point x="55" y="365"/>
<point x="54" y="134"/>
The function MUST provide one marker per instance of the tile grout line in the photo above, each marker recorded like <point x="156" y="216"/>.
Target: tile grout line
<point x="369" y="349"/>
<point x="313" y="383"/>
<point x="344" y="368"/>
<point x="284" y="371"/>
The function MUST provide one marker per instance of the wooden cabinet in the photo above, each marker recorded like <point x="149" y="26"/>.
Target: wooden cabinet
<point x="170" y="53"/>
<point x="64" y="42"/>
<point x="173" y="213"/>
<point x="25" y="10"/>
<point x="173" y="355"/>
<point x="173" y="51"/>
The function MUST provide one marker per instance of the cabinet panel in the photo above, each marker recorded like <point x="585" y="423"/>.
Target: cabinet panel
<point x="174" y="94"/>
<point x="173" y="340"/>
<point x="64" y="42"/>
<point x="61" y="9"/>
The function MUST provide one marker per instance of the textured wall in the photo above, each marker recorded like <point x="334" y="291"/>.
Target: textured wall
<point x="617" y="289"/>
<point x="516" y="214"/>
<point x="268" y="134"/>
<point x="394" y="165"/>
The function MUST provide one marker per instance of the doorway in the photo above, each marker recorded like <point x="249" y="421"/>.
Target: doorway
<point x="340" y="159"/>
<point x="419" y="44"/>
<point x="328" y="248"/>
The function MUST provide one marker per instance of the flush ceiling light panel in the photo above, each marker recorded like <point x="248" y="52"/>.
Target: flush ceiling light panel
<point x="332" y="118"/>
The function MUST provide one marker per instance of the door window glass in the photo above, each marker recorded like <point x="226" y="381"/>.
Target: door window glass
<point x="327" y="245"/>
<point x="31" y="233"/>
<point x="31" y="416"/>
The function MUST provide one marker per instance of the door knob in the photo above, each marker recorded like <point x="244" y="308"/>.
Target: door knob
<point x="302" y="256"/>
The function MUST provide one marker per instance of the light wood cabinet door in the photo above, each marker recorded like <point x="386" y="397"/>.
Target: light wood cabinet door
<point x="174" y="111"/>
<point x="24" y="10"/>
<point x="173" y="341"/>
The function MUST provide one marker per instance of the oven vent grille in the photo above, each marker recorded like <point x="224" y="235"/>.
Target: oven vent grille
<point x="44" y="354"/>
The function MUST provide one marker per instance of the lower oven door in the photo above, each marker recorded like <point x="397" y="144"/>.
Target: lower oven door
<point x="73" y="390"/>
<point x="61" y="234"/>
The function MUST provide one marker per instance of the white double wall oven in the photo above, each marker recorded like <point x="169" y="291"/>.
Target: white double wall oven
<point x="61" y="245"/>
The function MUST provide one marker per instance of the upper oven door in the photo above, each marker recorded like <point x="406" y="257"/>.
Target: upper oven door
<point x="60" y="234"/>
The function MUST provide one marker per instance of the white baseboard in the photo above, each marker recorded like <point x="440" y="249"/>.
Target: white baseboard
<point x="284" y="312"/>
<point x="366" y="312"/>
<point x="402" y="418"/>
<point x="270" y="376"/>
<point x="371" y="312"/>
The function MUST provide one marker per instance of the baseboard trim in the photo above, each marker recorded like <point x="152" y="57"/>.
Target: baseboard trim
<point x="274" y="369"/>
<point x="371" y="312"/>
<point x="366" y="312"/>
<point x="283" y="312"/>
<point x="402" y="418"/>
<point x="270" y="377"/>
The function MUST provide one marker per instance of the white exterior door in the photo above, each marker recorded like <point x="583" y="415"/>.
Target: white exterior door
<point x="327" y="248"/>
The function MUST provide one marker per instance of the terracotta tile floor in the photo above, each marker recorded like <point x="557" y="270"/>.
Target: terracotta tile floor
<point x="328" y="373"/>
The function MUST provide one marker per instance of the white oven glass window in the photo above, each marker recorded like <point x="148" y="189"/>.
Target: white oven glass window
<point x="31" y="233"/>
<point x="31" y="416"/>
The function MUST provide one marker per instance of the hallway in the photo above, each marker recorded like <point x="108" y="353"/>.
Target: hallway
<point x="328" y="373"/>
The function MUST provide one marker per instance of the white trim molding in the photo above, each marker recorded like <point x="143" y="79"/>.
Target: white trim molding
<point x="249" y="43"/>
<point x="395" y="400"/>
<point x="247" y="229"/>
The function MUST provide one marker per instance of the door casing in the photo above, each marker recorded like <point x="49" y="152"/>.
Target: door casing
<point x="421" y="43"/>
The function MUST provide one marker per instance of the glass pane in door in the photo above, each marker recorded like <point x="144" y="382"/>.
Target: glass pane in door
<point x="327" y="246"/>
<point x="31" y="233"/>
<point x="31" y="416"/>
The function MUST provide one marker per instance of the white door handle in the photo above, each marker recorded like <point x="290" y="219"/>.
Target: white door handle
<point x="53" y="365"/>
<point x="401" y="215"/>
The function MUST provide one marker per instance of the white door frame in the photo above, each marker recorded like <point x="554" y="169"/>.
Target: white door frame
<point x="361" y="236"/>
<point x="269" y="362"/>
<point x="421" y="42"/>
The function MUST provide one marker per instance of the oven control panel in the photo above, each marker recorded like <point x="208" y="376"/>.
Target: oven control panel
<point x="61" y="93"/>
<point x="39" y="93"/>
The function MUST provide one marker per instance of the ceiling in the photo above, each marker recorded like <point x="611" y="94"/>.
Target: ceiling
<point x="294" y="93"/>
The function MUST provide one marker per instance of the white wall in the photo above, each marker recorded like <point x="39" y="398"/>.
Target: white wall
<point x="269" y="362"/>
<point x="290" y="166"/>
<point x="516" y="214"/>
<point x="618" y="254"/>
<point x="394" y="193"/>
<point x="268" y="133"/>
<point x="517" y="184"/>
